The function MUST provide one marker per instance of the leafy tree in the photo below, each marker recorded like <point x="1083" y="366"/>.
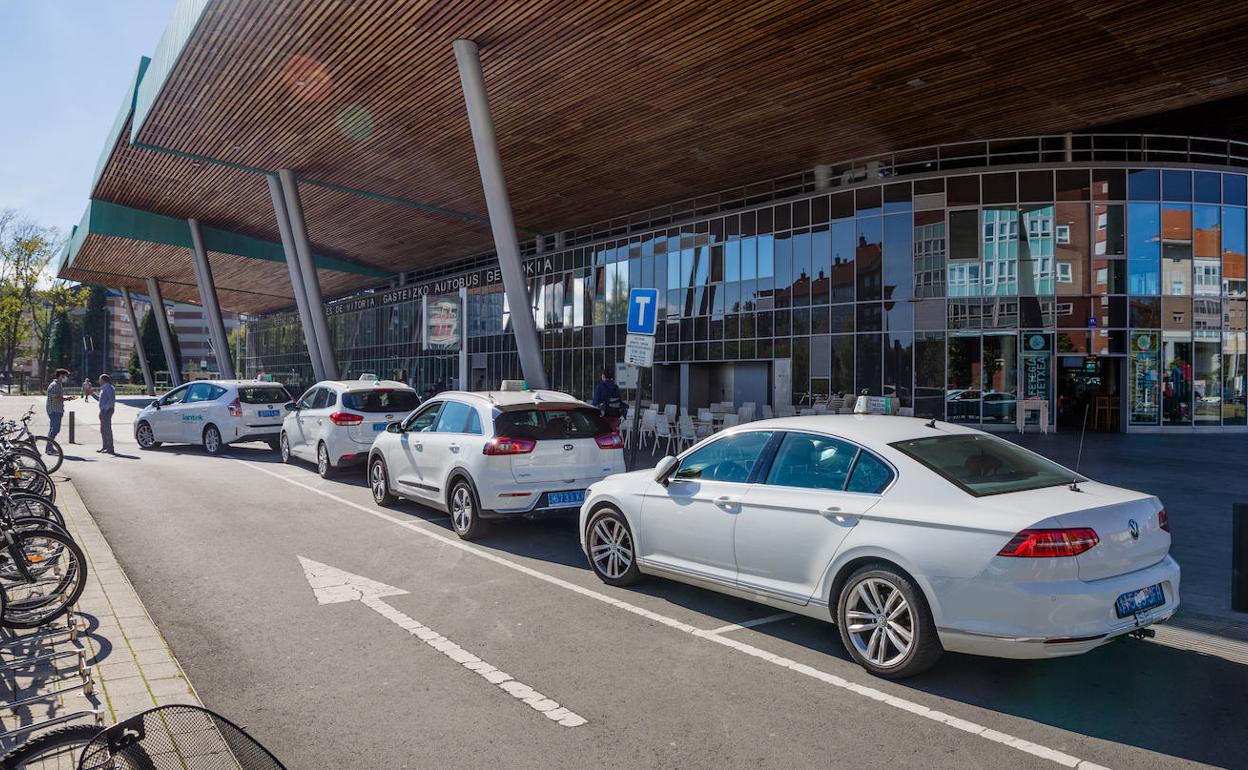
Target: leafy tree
<point x="64" y="351"/>
<point x="95" y="332"/>
<point x="25" y="250"/>
<point x="44" y="308"/>
<point x="238" y="347"/>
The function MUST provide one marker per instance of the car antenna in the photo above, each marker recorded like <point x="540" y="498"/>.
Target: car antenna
<point x="1074" y="484"/>
<point x="931" y="423"/>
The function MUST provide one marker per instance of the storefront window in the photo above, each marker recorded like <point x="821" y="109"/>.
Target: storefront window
<point x="962" y="389"/>
<point x="1000" y="373"/>
<point x="1176" y="379"/>
<point x="1234" y="378"/>
<point x="1145" y="378"/>
<point x="1207" y="378"/>
<point x="1233" y="251"/>
<point x="1144" y="248"/>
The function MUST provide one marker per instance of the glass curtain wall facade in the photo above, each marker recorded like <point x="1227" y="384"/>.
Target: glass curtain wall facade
<point x="959" y="295"/>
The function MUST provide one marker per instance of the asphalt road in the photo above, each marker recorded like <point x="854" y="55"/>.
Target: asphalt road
<point x="212" y="545"/>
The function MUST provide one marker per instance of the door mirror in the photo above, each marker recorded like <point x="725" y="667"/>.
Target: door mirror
<point x="291" y="406"/>
<point x="394" y="427"/>
<point x="663" y="471"/>
<point x="157" y="405"/>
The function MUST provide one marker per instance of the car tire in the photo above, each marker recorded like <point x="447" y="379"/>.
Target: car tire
<point x="324" y="466"/>
<point x="379" y="483"/>
<point x="213" y="444"/>
<point x="609" y="535"/>
<point x="275" y="444"/>
<point x="465" y="510"/>
<point x="283" y="448"/>
<point x="882" y="592"/>
<point x="145" y="436"/>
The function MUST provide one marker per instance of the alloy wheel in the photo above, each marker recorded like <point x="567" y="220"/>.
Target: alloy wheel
<point x="322" y="460"/>
<point x="284" y="448"/>
<point x="461" y="508"/>
<point x="880" y="622"/>
<point x="377" y="481"/>
<point x="145" y="435"/>
<point x="611" y="547"/>
<point x="212" y="440"/>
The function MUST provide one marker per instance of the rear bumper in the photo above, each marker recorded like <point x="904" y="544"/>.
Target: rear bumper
<point x="1053" y="619"/>
<point x="528" y="500"/>
<point x="255" y="433"/>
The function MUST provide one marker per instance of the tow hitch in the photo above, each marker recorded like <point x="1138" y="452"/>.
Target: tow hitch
<point x="1143" y="633"/>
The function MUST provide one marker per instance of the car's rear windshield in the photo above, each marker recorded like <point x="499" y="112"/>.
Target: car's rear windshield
<point x="986" y="465"/>
<point x="380" y="400"/>
<point x="540" y="424"/>
<point x="262" y="394"/>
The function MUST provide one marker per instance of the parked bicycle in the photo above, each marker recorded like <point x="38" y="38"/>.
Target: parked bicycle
<point x="48" y="450"/>
<point x="42" y="569"/>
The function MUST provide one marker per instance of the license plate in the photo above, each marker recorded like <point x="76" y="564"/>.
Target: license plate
<point x="1134" y="602"/>
<point x="268" y="413"/>
<point x="378" y="427"/>
<point x="565" y="499"/>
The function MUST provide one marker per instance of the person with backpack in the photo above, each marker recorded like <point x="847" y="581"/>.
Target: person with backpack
<point x="608" y="399"/>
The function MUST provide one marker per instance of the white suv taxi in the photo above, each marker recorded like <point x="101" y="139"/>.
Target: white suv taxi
<point x="213" y="413"/>
<point x="334" y="422"/>
<point x="480" y="456"/>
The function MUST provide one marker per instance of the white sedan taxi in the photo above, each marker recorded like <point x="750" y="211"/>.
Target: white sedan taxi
<point x="213" y="414"/>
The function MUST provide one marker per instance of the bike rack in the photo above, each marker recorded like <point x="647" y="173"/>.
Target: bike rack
<point x="14" y="659"/>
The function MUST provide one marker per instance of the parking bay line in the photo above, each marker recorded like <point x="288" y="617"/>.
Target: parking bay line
<point x="973" y="728"/>
<point x="752" y="623"/>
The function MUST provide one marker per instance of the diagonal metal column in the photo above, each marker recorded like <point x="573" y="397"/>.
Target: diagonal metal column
<point x="208" y="300"/>
<point x="307" y="269"/>
<point x="296" y="277"/>
<point x="166" y="334"/>
<point x="138" y="343"/>
<point x="528" y="344"/>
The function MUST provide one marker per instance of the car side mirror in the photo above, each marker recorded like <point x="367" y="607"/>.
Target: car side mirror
<point x="291" y="406"/>
<point x="663" y="471"/>
<point x="157" y="405"/>
<point x="394" y="427"/>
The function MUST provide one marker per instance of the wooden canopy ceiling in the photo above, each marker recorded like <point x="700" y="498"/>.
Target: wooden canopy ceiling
<point x="603" y="107"/>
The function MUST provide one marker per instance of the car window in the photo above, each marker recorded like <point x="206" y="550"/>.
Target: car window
<point x="453" y="417"/>
<point x="474" y="423"/>
<point x="200" y="391"/>
<point x="423" y="420"/>
<point x="262" y="394"/>
<point x="870" y="475"/>
<point x="216" y="392"/>
<point x="380" y="400"/>
<point x="812" y="462"/>
<point x="985" y="465"/>
<point x="551" y="423"/>
<point x="731" y="458"/>
<point x="309" y="398"/>
<point x="325" y="399"/>
<point x="175" y="396"/>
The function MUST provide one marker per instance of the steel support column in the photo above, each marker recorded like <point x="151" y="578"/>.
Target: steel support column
<point x="296" y="277"/>
<point x="166" y="334"/>
<point x="528" y="344"/>
<point x="208" y="301"/>
<point x="138" y="343"/>
<point x="307" y="270"/>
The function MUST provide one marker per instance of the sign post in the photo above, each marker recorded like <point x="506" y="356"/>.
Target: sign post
<point x="639" y="352"/>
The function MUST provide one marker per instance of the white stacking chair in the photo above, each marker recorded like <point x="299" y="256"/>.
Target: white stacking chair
<point x="768" y="412"/>
<point x="807" y="412"/>
<point x="785" y="410"/>
<point x="705" y="415"/>
<point x="669" y="411"/>
<point x="717" y="408"/>
<point x="663" y="432"/>
<point x="647" y="426"/>
<point x="821" y="407"/>
<point x="731" y="421"/>
<point x="746" y="412"/>
<point x="686" y="433"/>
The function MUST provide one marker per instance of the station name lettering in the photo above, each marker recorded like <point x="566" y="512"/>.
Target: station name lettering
<point x="488" y="277"/>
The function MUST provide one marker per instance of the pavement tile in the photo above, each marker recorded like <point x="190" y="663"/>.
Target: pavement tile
<point x="131" y="685"/>
<point x="165" y="688"/>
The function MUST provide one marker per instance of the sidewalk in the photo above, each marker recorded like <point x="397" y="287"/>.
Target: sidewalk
<point x="131" y="665"/>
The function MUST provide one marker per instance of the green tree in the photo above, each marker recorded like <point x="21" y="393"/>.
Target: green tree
<point x="95" y="332"/>
<point x="45" y="307"/>
<point x="64" y="351"/>
<point x="25" y="251"/>
<point x="150" y="334"/>
<point x="238" y="347"/>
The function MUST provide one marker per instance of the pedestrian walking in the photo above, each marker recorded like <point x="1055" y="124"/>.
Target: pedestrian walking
<point x="608" y="399"/>
<point x="88" y="388"/>
<point x="108" y="402"/>
<point x="56" y="402"/>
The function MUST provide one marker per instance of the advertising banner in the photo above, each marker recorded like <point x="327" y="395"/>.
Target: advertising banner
<point x="442" y="323"/>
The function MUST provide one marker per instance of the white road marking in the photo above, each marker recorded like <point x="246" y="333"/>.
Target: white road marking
<point x="331" y="585"/>
<point x="1035" y="749"/>
<point x="752" y="623"/>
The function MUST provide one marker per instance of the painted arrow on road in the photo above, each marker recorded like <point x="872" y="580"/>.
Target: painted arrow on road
<point x="331" y="585"/>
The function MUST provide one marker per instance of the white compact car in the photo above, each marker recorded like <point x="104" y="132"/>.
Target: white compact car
<point x="913" y="536"/>
<point x="213" y="413"/>
<point x="334" y="422"/>
<point x="479" y="456"/>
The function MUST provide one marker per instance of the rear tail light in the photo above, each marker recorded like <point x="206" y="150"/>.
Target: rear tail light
<point x="1163" y="520"/>
<point x="610" y="441"/>
<point x="236" y="408"/>
<point x="345" y="418"/>
<point x="1039" y="543"/>
<point x="509" y="446"/>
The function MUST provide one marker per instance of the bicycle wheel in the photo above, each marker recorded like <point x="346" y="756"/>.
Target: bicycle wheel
<point x="49" y="451"/>
<point x="50" y="580"/>
<point x="33" y="480"/>
<point x="21" y="505"/>
<point x="25" y="457"/>
<point x="59" y="748"/>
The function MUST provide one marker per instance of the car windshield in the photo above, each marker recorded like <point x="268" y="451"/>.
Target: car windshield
<point x="262" y="394"/>
<point x="540" y="424"/>
<point x="985" y="465"/>
<point x="380" y="400"/>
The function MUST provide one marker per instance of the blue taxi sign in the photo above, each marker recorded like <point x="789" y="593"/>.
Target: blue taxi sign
<point x="642" y="310"/>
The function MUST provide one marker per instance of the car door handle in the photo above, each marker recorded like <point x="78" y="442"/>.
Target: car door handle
<point x="726" y="502"/>
<point x="454" y="447"/>
<point x="840" y="517"/>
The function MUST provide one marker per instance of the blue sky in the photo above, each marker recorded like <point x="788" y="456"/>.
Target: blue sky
<point x="64" y="69"/>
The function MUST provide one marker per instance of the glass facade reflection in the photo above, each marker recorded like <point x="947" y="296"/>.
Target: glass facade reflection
<point x="1117" y="294"/>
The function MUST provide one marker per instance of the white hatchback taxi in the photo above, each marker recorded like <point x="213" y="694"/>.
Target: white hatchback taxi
<point x="913" y="536"/>
<point x="213" y="413"/>
<point x="500" y="454"/>
<point x="334" y="422"/>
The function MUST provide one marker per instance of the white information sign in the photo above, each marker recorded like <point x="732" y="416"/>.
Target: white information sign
<point x="625" y="376"/>
<point x="639" y="350"/>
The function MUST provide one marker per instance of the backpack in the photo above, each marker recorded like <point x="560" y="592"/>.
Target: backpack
<point x="615" y="406"/>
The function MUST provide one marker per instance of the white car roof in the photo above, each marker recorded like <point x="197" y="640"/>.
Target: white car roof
<point x="866" y="429"/>
<point x="365" y="384"/>
<point x="226" y="383"/>
<point x="505" y="398"/>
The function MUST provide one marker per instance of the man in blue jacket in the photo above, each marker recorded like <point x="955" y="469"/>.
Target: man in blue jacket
<point x="608" y="400"/>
